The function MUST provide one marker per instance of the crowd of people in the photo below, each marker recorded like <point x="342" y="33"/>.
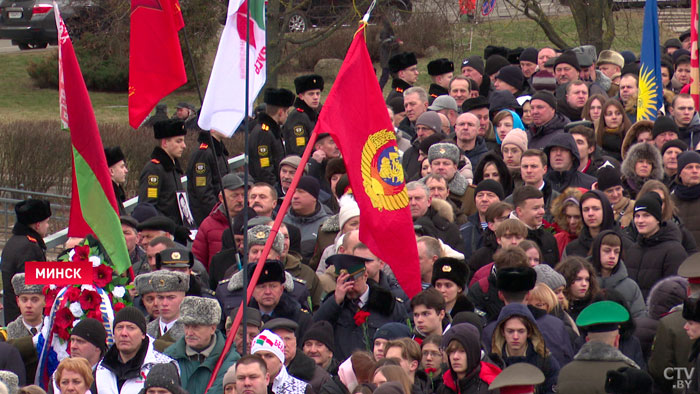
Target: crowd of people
<point x="556" y="234"/>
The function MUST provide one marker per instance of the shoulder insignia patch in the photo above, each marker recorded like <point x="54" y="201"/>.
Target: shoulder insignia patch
<point x="200" y="168"/>
<point x="31" y="239"/>
<point x="155" y="161"/>
<point x="299" y="130"/>
<point x="203" y="146"/>
<point x="433" y="95"/>
<point x="153" y="180"/>
<point x="263" y="150"/>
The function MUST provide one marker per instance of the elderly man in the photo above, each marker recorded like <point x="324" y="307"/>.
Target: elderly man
<point x="116" y="163"/>
<point x="132" y="356"/>
<point x="155" y="227"/>
<point x="566" y="68"/>
<point x="354" y="293"/>
<point x="610" y="63"/>
<point x="441" y="72"/>
<point x="298" y="364"/>
<point x="159" y="182"/>
<point x="253" y="327"/>
<point x="404" y="73"/>
<point x="447" y="106"/>
<point x="199" y="350"/>
<point x="415" y="101"/>
<point x="170" y="288"/>
<point x="31" y="301"/>
<point x="444" y="159"/>
<point x="543" y="56"/>
<point x="137" y="254"/>
<point x="262" y="197"/>
<point x="302" y="120"/>
<point x="307" y="213"/>
<point x="319" y="344"/>
<point x="430" y="216"/>
<point x="546" y="121"/>
<point x="288" y="168"/>
<point x="205" y="166"/>
<point x="26" y="244"/>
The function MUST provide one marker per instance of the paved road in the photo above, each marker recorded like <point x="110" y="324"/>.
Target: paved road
<point x="6" y="46"/>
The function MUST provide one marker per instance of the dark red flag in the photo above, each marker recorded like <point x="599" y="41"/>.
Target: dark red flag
<point x="356" y="117"/>
<point x="155" y="60"/>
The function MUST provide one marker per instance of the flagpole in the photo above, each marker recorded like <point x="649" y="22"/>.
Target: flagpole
<point x="194" y="69"/>
<point x="242" y="311"/>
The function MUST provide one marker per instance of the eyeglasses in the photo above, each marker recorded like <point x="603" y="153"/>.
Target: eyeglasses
<point x="434" y="354"/>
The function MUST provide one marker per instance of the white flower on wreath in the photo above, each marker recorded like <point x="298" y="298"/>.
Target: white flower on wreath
<point x="76" y="309"/>
<point x="96" y="261"/>
<point x="119" y="291"/>
<point x="87" y="287"/>
<point x="71" y="254"/>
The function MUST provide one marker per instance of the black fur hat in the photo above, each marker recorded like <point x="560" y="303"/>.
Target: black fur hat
<point x="452" y="269"/>
<point x="402" y="61"/>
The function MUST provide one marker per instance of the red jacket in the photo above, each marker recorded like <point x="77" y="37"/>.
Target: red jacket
<point x="207" y="243"/>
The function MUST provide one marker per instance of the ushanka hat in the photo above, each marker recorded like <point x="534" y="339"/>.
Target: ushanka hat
<point x="202" y="311"/>
<point x="402" y="61"/>
<point x="452" y="269"/>
<point x="166" y="281"/>
<point x="272" y="271"/>
<point x="278" y="97"/>
<point x="516" y="279"/>
<point x="114" y="155"/>
<point x="32" y="211"/>
<point x="440" y="66"/>
<point x="444" y="150"/>
<point x="691" y="310"/>
<point x="20" y="287"/>
<point x="143" y="284"/>
<point x="259" y="234"/>
<point x="169" y="128"/>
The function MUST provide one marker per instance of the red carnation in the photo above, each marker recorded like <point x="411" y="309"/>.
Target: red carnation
<point x="102" y="275"/>
<point x="361" y="317"/>
<point x="95" y="314"/>
<point x="64" y="318"/>
<point x="418" y="340"/>
<point x="63" y="333"/>
<point x="82" y="253"/>
<point x="72" y="294"/>
<point x="89" y="300"/>
<point x="430" y="371"/>
<point x="118" y="306"/>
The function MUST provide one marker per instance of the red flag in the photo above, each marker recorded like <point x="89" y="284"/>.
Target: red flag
<point x="356" y="117"/>
<point x="694" y="63"/>
<point x="155" y="60"/>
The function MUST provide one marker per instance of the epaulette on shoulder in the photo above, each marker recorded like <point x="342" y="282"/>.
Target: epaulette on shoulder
<point x="203" y="145"/>
<point x="399" y="299"/>
<point x="265" y="127"/>
<point x="209" y="291"/>
<point x="300" y="110"/>
<point x="155" y="161"/>
<point x="31" y="239"/>
<point x="400" y="90"/>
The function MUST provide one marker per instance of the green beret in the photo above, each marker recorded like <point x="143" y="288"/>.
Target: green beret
<point x="602" y="316"/>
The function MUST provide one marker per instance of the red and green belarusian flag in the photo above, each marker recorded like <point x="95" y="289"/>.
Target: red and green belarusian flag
<point x="93" y="203"/>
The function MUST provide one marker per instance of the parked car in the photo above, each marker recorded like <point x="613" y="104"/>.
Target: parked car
<point x="31" y="23"/>
<point x="327" y="12"/>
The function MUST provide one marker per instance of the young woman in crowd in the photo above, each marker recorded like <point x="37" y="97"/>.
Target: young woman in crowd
<point x="611" y="129"/>
<point x="491" y="166"/>
<point x="527" y="114"/>
<point x="593" y="108"/>
<point x="639" y="132"/>
<point x="567" y="217"/>
<point x="432" y="360"/>
<point x="505" y="121"/>
<point x="581" y="283"/>
<point x="533" y="252"/>
<point x="642" y="164"/>
<point x="392" y="373"/>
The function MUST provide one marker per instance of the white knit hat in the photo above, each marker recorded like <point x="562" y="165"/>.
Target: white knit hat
<point x="269" y="341"/>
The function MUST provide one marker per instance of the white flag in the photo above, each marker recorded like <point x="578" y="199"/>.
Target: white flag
<point x="224" y="103"/>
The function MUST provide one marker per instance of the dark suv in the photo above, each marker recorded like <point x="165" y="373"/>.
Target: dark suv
<point x="31" y="23"/>
<point x="327" y="12"/>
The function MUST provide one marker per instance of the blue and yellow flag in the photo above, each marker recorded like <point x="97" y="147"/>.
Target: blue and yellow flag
<point x="650" y="97"/>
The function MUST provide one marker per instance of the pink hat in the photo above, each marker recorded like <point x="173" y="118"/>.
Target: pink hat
<point x="516" y="137"/>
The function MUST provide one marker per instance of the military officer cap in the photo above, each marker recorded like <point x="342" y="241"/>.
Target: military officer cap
<point x="279" y="97"/>
<point x="259" y="234"/>
<point x="272" y="271"/>
<point x="308" y="82"/>
<point x="402" y="61"/>
<point x="440" y="66"/>
<point x="518" y="378"/>
<point x="166" y="281"/>
<point x="349" y="264"/>
<point x="602" y="316"/>
<point x="174" y="258"/>
<point x="281" y="322"/>
<point x="253" y="317"/>
<point x="444" y="150"/>
<point x="161" y="223"/>
<point x="200" y="311"/>
<point x="32" y="211"/>
<point x="516" y="279"/>
<point x="169" y="128"/>
<point x="114" y="155"/>
<point x="691" y="268"/>
<point x="143" y="284"/>
<point x="232" y="182"/>
<point x="22" y="288"/>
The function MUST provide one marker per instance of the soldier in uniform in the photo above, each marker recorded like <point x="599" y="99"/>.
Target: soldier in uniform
<point x="170" y="288"/>
<point x="182" y="261"/>
<point x="265" y="141"/>
<point x="203" y="184"/>
<point x="116" y="161"/>
<point x="302" y="119"/>
<point x="31" y="304"/>
<point x="160" y="179"/>
<point x="404" y="72"/>
<point x="441" y="72"/>
<point x="521" y="376"/>
<point x="26" y="244"/>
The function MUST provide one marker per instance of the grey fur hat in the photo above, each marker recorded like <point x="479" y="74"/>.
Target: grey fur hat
<point x="165" y="281"/>
<point x="10" y="380"/>
<point x="23" y="288"/>
<point x="143" y="283"/>
<point x="643" y="151"/>
<point x="259" y="234"/>
<point x="444" y="150"/>
<point x="200" y="311"/>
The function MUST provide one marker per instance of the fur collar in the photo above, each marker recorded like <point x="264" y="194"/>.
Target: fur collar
<point x="444" y="209"/>
<point x="642" y="151"/>
<point x="168" y="163"/>
<point x="236" y="281"/>
<point x="599" y="351"/>
<point x="458" y="185"/>
<point x="302" y="367"/>
<point x="331" y="224"/>
<point x="380" y="300"/>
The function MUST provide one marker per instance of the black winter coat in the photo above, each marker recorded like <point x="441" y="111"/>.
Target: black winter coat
<point x="547" y="243"/>
<point x="539" y="137"/>
<point x="159" y="183"/>
<point x="298" y="127"/>
<point x="266" y="150"/>
<point x="203" y="184"/>
<point x="304" y="368"/>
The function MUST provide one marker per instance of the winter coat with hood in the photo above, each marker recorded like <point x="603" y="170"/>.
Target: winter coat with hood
<point x="587" y="373"/>
<point x="438" y="221"/>
<point x="539" y="137"/>
<point x="563" y="107"/>
<point x="308" y="225"/>
<point x="630" y="180"/>
<point x="484" y="294"/>
<point x="663" y="297"/>
<point x="618" y="279"/>
<point x="581" y="246"/>
<point x="560" y="180"/>
<point x="656" y="257"/>
<point x="690" y="134"/>
<point x="633" y="133"/>
<point x="479" y="373"/>
<point x="537" y="352"/>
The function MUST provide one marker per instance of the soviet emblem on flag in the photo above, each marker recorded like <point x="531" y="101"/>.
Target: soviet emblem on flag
<point x="382" y="174"/>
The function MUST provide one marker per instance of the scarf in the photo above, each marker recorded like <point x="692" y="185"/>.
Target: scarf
<point x="687" y="193"/>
